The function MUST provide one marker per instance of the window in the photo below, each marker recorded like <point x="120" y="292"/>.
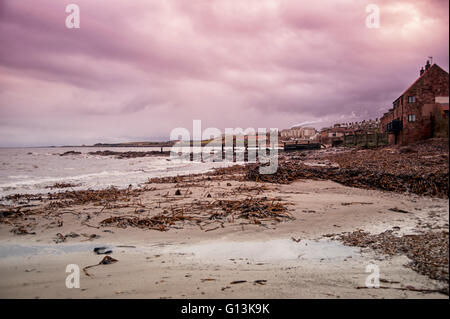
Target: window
<point x="411" y="118"/>
<point x="411" y="99"/>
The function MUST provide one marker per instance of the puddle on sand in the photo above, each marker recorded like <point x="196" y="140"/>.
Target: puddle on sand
<point x="8" y="250"/>
<point x="261" y="251"/>
<point x="272" y="250"/>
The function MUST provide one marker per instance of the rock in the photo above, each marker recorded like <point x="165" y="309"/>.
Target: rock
<point x="102" y="251"/>
<point x="70" y="153"/>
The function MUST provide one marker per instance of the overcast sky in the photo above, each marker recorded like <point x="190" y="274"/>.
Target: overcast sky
<point x="137" y="69"/>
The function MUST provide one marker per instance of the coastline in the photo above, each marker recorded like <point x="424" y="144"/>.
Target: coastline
<point x="191" y="259"/>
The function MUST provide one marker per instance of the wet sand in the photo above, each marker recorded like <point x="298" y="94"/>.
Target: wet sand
<point x="190" y="262"/>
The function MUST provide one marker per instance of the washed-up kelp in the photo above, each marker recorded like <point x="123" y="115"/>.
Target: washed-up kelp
<point x="107" y="260"/>
<point x="130" y="154"/>
<point x="235" y="172"/>
<point x="429" y="252"/>
<point x="102" y="196"/>
<point x="434" y="184"/>
<point x="23" y="197"/>
<point x="62" y="185"/>
<point x="159" y="222"/>
<point x="76" y="197"/>
<point x="204" y="213"/>
<point x="423" y="169"/>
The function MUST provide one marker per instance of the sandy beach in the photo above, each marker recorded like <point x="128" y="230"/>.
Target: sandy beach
<point x="289" y="258"/>
<point x="264" y="150"/>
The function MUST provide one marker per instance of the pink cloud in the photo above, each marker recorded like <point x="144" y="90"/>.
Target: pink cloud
<point x="138" y="69"/>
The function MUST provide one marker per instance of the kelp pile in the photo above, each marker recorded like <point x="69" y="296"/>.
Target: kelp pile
<point x="109" y="194"/>
<point x="235" y="172"/>
<point x="129" y="154"/>
<point x="206" y="213"/>
<point x="434" y="184"/>
<point x="25" y="198"/>
<point x="161" y="222"/>
<point x="63" y="185"/>
<point x="99" y="197"/>
<point x="421" y="169"/>
<point x="23" y="207"/>
<point x="429" y="252"/>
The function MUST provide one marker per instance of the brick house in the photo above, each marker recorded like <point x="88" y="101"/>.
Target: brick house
<point x="415" y="113"/>
<point x="332" y="135"/>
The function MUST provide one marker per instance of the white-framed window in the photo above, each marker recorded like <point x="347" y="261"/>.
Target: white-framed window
<point x="411" y="99"/>
<point x="411" y="117"/>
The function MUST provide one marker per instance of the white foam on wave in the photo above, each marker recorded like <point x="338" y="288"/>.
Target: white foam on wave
<point x="94" y="172"/>
<point x="18" y="176"/>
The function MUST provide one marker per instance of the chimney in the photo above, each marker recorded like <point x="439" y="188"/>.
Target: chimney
<point x="421" y="71"/>
<point x="427" y="66"/>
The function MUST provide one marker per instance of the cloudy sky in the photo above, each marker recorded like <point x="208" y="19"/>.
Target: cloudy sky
<point x="137" y="69"/>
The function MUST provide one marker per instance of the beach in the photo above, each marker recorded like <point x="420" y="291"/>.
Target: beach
<point x="218" y="235"/>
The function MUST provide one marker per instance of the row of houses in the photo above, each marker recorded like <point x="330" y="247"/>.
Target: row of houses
<point x="336" y="133"/>
<point x="420" y="112"/>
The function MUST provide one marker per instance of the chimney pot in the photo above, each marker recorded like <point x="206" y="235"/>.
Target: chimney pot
<point x="427" y="66"/>
<point x="421" y="71"/>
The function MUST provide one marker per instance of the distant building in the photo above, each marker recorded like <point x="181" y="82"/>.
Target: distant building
<point x="335" y="134"/>
<point x="298" y="133"/>
<point x="421" y="111"/>
<point x="330" y="135"/>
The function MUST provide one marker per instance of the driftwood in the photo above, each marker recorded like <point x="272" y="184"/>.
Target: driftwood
<point x="107" y="260"/>
<point x="204" y="213"/>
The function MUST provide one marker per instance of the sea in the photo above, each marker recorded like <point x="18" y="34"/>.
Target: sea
<point x="35" y="170"/>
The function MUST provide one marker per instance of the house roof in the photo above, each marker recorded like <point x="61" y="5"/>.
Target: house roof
<point x="434" y="65"/>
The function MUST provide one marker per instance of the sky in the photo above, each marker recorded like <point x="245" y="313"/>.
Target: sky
<point x="135" y="69"/>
